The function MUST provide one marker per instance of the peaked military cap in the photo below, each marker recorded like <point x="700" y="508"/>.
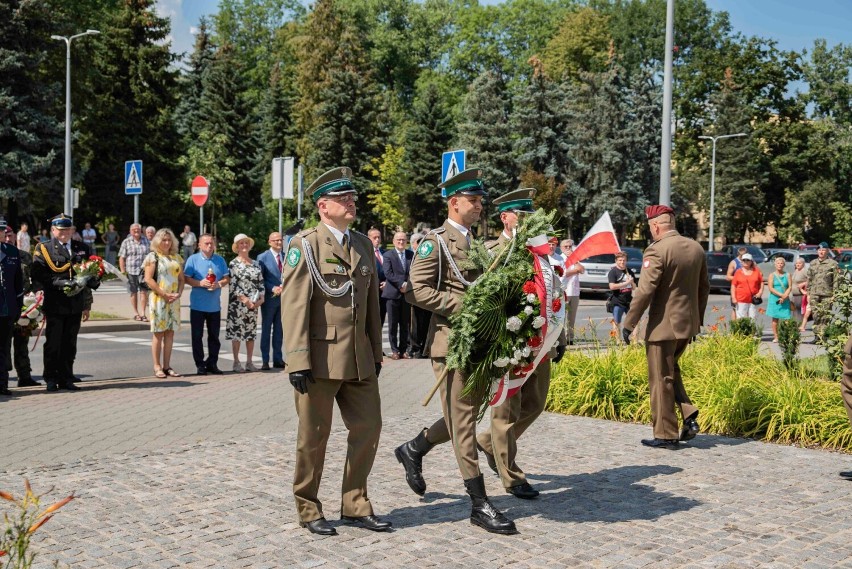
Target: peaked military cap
<point x="335" y="182"/>
<point x="62" y="221"/>
<point x="468" y="183"/>
<point x="518" y="201"/>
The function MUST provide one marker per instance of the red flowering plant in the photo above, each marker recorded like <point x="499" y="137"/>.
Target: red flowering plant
<point x="94" y="266"/>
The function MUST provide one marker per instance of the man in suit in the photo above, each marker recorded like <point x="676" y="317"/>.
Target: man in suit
<point x="11" y="299"/>
<point x="674" y="288"/>
<point x="53" y="273"/>
<point x="378" y="252"/>
<point x="512" y="418"/>
<point x="397" y="263"/>
<point x="438" y="284"/>
<point x="334" y="351"/>
<point x="271" y="265"/>
<point x="419" y="329"/>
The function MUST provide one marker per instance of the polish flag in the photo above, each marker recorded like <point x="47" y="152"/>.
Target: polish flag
<point x="599" y="240"/>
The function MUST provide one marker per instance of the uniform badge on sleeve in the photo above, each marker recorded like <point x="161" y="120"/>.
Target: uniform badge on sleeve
<point x="293" y="257"/>
<point x="425" y="249"/>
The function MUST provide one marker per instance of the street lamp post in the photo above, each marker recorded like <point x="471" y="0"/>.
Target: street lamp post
<point x="713" y="182"/>
<point x="67" y="201"/>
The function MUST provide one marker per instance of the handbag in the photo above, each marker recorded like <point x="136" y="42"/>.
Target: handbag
<point x="756" y="300"/>
<point x="610" y="303"/>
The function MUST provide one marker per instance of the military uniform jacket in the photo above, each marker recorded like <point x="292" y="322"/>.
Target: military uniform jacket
<point x="333" y="337"/>
<point x="51" y="265"/>
<point x="821" y="277"/>
<point x="12" y="289"/>
<point x="435" y="288"/>
<point x="674" y="285"/>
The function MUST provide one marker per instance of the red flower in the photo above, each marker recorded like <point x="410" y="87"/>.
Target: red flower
<point x="534" y="342"/>
<point x="529" y="287"/>
<point x="557" y="304"/>
<point x="559" y="270"/>
<point x="95" y="258"/>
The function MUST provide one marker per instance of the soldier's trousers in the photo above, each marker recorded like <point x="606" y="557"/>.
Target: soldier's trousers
<point x="21" y="357"/>
<point x="360" y="408"/>
<point x="5" y="331"/>
<point x="459" y="419"/>
<point x="60" y="346"/>
<point x="666" y="387"/>
<point x="846" y="379"/>
<point x="820" y="318"/>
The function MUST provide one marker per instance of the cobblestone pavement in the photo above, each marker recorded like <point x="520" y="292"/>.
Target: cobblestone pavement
<point x="197" y="473"/>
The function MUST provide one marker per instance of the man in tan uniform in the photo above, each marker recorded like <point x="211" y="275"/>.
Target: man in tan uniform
<point x="438" y="285"/>
<point x="333" y="339"/>
<point x="674" y="285"/>
<point x="846" y="390"/>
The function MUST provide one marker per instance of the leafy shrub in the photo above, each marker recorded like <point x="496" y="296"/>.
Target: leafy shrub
<point x="789" y="339"/>
<point x="739" y="392"/>
<point x="834" y="334"/>
<point x="745" y="327"/>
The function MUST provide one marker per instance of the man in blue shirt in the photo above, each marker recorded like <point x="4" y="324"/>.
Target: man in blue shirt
<point x="207" y="273"/>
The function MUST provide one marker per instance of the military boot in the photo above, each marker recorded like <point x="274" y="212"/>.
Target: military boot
<point x="410" y="455"/>
<point x="483" y="514"/>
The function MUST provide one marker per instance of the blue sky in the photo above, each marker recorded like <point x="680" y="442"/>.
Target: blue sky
<point x="795" y="24"/>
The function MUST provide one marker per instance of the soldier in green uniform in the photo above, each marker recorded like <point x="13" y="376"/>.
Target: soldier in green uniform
<point x="20" y="338"/>
<point x="52" y="272"/>
<point x="437" y="284"/>
<point x="822" y="276"/>
<point x="846" y="390"/>
<point x="333" y="340"/>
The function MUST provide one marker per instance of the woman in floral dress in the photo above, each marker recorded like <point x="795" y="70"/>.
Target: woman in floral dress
<point x="245" y="296"/>
<point x="164" y="277"/>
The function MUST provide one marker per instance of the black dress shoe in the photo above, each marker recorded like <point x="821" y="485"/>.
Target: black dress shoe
<point x="661" y="443"/>
<point x="51" y="386"/>
<point x="846" y="474"/>
<point x="265" y="367"/>
<point x="370" y="522"/>
<point x="523" y="491"/>
<point x="28" y="383"/>
<point x="68" y="386"/>
<point x="215" y="370"/>
<point x="690" y="429"/>
<point x="279" y="365"/>
<point x="319" y="527"/>
<point x="6" y="392"/>
<point x="201" y="371"/>
<point x="489" y="458"/>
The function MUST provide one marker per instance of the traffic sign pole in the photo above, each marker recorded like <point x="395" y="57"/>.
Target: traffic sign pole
<point x="299" y="202"/>
<point x="136" y="209"/>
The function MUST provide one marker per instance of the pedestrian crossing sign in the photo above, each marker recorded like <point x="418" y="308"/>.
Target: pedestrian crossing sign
<point x="133" y="177"/>
<point x="452" y="163"/>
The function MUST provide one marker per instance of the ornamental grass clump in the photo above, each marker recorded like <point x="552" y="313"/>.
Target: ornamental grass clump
<point x="739" y="392"/>
<point x="789" y="338"/>
<point x="22" y="523"/>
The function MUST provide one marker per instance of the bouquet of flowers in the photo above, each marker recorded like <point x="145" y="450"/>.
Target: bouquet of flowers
<point x="508" y="317"/>
<point x="31" y="315"/>
<point x="93" y="267"/>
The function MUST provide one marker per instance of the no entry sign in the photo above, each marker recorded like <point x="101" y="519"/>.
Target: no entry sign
<point x="200" y="190"/>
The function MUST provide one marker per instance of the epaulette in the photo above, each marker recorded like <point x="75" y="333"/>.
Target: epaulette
<point x="306" y="232"/>
<point x="436" y="231"/>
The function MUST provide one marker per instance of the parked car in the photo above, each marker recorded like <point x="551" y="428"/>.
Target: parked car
<point x="598" y="266"/>
<point x="756" y="252"/>
<point x="813" y="249"/>
<point x="717" y="270"/>
<point x="790" y="255"/>
<point x="844" y="260"/>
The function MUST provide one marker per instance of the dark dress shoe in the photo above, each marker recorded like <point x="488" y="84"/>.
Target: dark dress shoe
<point x="489" y="458"/>
<point x="846" y="474"/>
<point x="74" y="379"/>
<point x="278" y="365"/>
<point x="395" y="356"/>
<point x="6" y="392"/>
<point x="201" y="371"/>
<point x="51" y="386"/>
<point x="28" y="383"/>
<point x="523" y="491"/>
<point x="265" y="367"/>
<point x="370" y="522"/>
<point x="319" y="527"/>
<point x="690" y="429"/>
<point x="215" y="370"/>
<point x="68" y="386"/>
<point x="661" y="443"/>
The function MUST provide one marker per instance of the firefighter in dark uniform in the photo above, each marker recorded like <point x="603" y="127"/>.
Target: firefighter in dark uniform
<point x="53" y="272"/>
<point x="11" y="300"/>
<point x="20" y="337"/>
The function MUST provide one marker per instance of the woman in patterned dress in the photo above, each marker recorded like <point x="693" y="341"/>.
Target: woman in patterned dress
<point x="164" y="277"/>
<point x="245" y="295"/>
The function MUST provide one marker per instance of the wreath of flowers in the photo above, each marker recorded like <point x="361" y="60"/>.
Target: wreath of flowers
<point x="499" y="324"/>
<point x="31" y="314"/>
<point x="94" y="266"/>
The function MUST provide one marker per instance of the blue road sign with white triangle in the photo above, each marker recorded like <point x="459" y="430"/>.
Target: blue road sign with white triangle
<point x="133" y="177"/>
<point x="452" y="163"/>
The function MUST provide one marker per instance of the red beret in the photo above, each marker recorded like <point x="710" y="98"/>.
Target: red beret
<point x="653" y="211"/>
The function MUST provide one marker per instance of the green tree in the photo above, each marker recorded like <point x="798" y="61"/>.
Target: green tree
<point x="30" y="135"/>
<point x="388" y="188"/>
<point x="581" y="44"/>
<point x="827" y="74"/>
<point x="189" y="117"/>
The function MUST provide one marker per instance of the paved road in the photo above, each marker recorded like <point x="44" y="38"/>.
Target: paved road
<point x="196" y="473"/>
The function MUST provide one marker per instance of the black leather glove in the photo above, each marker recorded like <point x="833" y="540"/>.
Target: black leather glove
<point x="299" y="380"/>
<point x="560" y="351"/>
<point x="378" y="369"/>
<point x="93" y="282"/>
<point x="625" y="335"/>
<point x="70" y="283"/>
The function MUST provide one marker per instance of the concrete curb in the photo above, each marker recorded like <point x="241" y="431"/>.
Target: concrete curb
<point x="108" y="326"/>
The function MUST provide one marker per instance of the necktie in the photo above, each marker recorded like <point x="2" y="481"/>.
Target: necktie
<point x="280" y="265"/>
<point x="68" y="248"/>
<point x="345" y="243"/>
<point x="402" y="259"/>
<point x="379" y="257"/>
